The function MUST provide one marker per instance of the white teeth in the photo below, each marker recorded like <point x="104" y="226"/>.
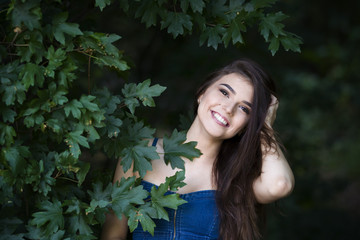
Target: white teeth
<point x="221" y="119"/>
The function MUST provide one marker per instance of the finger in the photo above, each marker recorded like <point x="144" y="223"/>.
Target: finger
<point x="274" y="100"/>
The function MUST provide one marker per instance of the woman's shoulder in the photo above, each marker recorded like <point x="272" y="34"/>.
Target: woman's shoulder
<point x="158" y="143"/>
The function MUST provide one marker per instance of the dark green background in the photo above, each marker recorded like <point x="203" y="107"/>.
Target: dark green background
<point x="319" y="102"/>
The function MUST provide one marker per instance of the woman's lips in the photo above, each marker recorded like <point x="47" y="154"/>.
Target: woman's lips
<point x="220" y="119"/>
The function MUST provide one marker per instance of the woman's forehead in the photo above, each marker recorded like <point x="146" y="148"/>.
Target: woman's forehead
<point x="234" y="79"/>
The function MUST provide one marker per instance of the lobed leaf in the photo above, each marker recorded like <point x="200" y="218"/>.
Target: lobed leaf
<point x="26" y="13"/>
<point x="31" y="74"/>
<point x="51" y="219"/>
<point x="176" y="23"/>
<point x="102" y="3"/>
<point x="139" y="156"/>
<point x="124" y="195"/>
<point x="175" y="148"/>
<point x="142" y="215"/>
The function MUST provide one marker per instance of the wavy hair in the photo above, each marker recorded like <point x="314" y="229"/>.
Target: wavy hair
<point x="239" y="160"/>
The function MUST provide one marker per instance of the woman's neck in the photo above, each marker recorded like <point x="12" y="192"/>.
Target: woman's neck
<point x="208" y="146"/>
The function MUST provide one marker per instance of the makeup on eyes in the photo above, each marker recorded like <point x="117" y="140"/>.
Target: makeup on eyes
<point x="234" y="92"/>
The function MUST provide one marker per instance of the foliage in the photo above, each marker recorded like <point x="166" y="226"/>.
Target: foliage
<point x="47" y="128"/>
<point x="216" y="22"/>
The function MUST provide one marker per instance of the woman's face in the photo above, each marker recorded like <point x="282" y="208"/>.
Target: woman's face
<point x="225" y="107"/>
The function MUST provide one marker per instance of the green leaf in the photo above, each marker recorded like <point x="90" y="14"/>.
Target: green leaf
<point x="142" y="215"/>
<point x="124" y="4"/>
<point x="143" y="92"/>
<point x="274" y="45"/>
<point x="8" y="226"/>
<point x="184" y="5"/>
<point x="59" y="98"/>
<point x="27" y="13"/>
<point x="136" y="132"/>
<point x="87" y="102"/>
<point x="271" y="23"/>
<point x="8" y="115"/>
<point x="106" y="100"/>
<point x="176" y="22"/>
<point x="212" y="35"/>
<point x="234" y="33"/>
<point x="236" y="4"/>
<point x="59" y="235"/>
<point x="92" y="133"/>
<point x="7" y="134"/>
<point x="31" y="74"/>
<point x="99" y="197"/>
<point x="12" y="93"/>
<point x="218" y="8"/>
<point x="74" y="205"/>
<point x="15" y="156"/>
<point x="124" y="195"/>
<point x="35" y="51"/>
<point x="81" y="174"/>
<point x="263" y="3"/>
<point x="148" y="11"/>
<point x="78" y="138"/>
<point x="56" y="59"/>
<point x="140" y="156"/>
<point x="175" y="148"/>
<point x="67" y="75"/>
<point x="111" y="61"/>
<point x="112" y="126"/>
<point x="61" y="27"/>
<point x="51" y="219"/>
<point x="177" y="181"/>
<point x="73" y="139"/>
<point x="197" y="5"/>
<point x="291" y="42"/>
<point x="54" y="124"/>
<point x="146" y="93"/>
<point x="78" y="225"/>
<point x="73" y="107"/>
<point x="102" y="3"/>
<point x="159" y="200"/>
<point x="31" y="120"/>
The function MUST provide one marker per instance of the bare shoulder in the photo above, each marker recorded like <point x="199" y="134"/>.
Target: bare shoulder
<point x="159" y="169"/>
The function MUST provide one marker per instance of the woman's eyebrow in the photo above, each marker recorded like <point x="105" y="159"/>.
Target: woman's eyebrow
<point x="247" y="103"/>
<point x="233" y="91"/>
<point x="229" y="87"/>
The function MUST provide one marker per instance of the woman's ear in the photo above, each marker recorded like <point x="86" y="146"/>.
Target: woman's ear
<point x="199" y="98"/>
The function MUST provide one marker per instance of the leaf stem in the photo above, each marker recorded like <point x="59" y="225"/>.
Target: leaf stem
<point x="89" y="65"/>
<point x="69" y="179"/>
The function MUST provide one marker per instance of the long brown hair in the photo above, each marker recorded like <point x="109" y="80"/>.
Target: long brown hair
<point x="239" y="160"/>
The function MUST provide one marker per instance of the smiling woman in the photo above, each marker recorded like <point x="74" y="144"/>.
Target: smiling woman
<point x="223" y="111"/>
<point x="241" y="166"/>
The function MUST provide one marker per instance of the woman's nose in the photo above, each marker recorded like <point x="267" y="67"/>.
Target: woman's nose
<point x="229" y="107"/>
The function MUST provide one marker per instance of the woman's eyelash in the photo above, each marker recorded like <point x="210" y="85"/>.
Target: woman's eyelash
<point x="245" y="109"/>
<point x="224" y="92"/>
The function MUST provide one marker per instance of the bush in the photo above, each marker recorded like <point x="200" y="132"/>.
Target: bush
<point x="47" y="126"/>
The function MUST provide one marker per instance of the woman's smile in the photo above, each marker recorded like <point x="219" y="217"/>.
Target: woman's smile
<point x="225" y="107"/>
<point x="220" y="119"/>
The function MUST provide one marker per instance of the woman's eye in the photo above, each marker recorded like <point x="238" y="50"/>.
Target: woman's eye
<point x="244" y="109"/>
<point x="224" y="92"/>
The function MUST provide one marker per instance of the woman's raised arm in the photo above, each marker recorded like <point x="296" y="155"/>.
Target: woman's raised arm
<point x="276" y="179"/>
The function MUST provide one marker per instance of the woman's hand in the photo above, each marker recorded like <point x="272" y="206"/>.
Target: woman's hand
<point x="271" y="114"/>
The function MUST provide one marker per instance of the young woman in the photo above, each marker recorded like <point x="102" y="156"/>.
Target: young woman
<point x="241" y="166"/>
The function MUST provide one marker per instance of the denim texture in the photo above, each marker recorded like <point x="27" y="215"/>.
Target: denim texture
<point x="198" y="219"/>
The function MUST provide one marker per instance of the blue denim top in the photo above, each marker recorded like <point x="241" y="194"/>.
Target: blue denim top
<point x="198" y="219"/>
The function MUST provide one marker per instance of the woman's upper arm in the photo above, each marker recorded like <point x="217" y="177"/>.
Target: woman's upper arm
<point x="114" y="228"/>
<point x="276" y="179"/>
